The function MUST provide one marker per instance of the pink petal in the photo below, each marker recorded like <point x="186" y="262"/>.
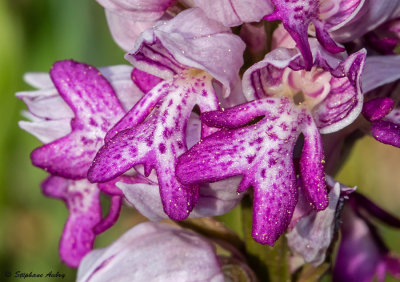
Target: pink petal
<point x="82" y="200"/>
<point x="190" y="40"/>
<point x="159" y="140"/>
<point x="235" y="12"/>
<point x="96" y="109"/>
<point x="150" y="252"/>
<point x="261" y="153"/>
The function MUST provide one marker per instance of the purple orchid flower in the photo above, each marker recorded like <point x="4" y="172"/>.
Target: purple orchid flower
<point x="382" y="108"/>
<point x="153" y="252"/>
<point x="330" y="99"/>
<point x="312" y="232"/>
<point x="362" y="253"/>
<point x="187" y="52"/>
<point x="72" y="120"/>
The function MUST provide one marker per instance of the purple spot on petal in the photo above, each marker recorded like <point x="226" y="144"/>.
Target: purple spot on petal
<point x="162" y="148"/>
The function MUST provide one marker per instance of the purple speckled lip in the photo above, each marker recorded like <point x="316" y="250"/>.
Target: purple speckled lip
<point x="262" y="154"/>
<point x="157" y="141"/>
<point x="96" y="108"/>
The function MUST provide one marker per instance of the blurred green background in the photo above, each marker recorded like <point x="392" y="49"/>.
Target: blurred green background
<point x="34" y="34"/>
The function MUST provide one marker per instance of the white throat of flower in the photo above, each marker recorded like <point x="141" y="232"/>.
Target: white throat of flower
<point x="305" y="88"/>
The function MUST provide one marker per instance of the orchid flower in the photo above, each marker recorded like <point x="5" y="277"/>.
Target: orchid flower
<point x="362" y="253"/>
<point x="153" y="252"/>
<point x="72" y="120"/>
<point x="289" y="101"/>
<point x="187" y="52"/>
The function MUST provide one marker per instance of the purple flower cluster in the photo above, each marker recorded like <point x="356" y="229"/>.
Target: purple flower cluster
<point x="188" y="130"/>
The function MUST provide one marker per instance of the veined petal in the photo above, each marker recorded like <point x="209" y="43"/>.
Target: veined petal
<point x="331" y="90"/>
<point x="236" y="12"/>
<point x="338" y="13"/>
<point x="344" y="102"/>
<point x="141" y="10"/>
<point x="158" y="140"/>
<point x="296" y="17"/>
<point x="189" y="40"/>
<point x="96" y="109"/>
<point x="153" y="252"/>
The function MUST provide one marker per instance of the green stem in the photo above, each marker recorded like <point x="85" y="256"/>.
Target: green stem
<point x="269" y="263"/>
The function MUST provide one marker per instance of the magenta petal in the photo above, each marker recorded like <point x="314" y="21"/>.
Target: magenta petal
<point x="261" y="153"/>
<point x="140" y="110"/>
<point x="82" y="200"/>
<point x="144" y="80"/>
<point x="112" y="216"/>
<point x="159" y="140"/>
<point x="239" y="115"/>
<point x="312" y="166"/>
<point x="377" y="109"/>
<point x="96" y="108"/>
<point x="386" y="132"/>
<point x="296" y="17"/>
